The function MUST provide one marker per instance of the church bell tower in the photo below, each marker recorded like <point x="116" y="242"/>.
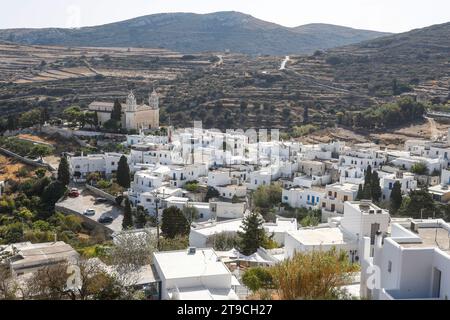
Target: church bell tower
<point x="153" y="100"/>
<point x="131" y="102"/>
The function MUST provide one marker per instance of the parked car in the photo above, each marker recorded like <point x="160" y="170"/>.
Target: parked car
<point x="106" y="219"/>
<point x="101" y="200"/>
<point x="89" y="212"/>
<point x="74" y="193"/>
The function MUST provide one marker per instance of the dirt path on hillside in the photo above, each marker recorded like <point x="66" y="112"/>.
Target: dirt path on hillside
<point x="434" y="132"/>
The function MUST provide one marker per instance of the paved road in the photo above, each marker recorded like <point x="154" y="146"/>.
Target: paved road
<point x="285" y="61"/>
<point x="87" y="201"/>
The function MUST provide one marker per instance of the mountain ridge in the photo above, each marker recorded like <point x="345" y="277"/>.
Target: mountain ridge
<point x="193" y="33"/>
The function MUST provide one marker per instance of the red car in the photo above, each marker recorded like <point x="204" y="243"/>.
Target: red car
<point x="74" y="193"/>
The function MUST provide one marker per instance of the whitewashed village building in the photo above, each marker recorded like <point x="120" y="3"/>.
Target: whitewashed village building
<point x="413" y="263"/>
<point x="407" y="182"/>
<point x="361" y="219"/>
<point x="203" y="235"/>
<point x="194" y="274"/>
<point x="335" y="196"/>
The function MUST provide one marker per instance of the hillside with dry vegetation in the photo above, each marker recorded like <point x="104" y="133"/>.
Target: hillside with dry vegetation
<point x="230" y="90"/>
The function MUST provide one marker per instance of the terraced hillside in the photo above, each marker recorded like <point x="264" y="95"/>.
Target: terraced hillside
<point x="227" y="90"/>
<point x="223" y="90"/>
<point x="419" y="59"/>
<point x="56" y="77"/>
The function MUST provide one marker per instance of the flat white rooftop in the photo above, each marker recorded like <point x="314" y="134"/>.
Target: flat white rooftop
<point x="174" y="199"/>
<point x="414" y="159"/>
<point x="180" y="264"/>
<point x="31" y="254"/>
<point x="343" y="186"/>
<point x="366" y="207"/>
<point x="281" y="225"/>
<point x="320" y="236"/>
<point x="211" y="228"/>
<point x="305" y="189"/>
<point x="439" y="189"/>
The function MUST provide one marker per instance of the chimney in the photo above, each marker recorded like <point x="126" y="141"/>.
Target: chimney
<point x="379" y="239"/>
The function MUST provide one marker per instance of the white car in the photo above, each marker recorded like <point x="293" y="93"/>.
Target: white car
<point x="89" y="212"/>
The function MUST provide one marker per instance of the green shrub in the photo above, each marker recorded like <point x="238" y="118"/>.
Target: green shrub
<point x="191" y="186"/>
<point x="258" y="278"/>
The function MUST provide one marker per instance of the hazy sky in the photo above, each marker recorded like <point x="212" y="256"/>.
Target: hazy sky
<point x="381" y="15"/>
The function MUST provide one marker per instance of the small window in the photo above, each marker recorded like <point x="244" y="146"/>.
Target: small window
<point x="390" y="266"/>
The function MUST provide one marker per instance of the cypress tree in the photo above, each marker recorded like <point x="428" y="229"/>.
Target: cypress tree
<point x="174" y="223"/>
<point x="123" y="173"/>
<point x="367" y="191"/>
<point x="375" y="186"/>
<point x="140" y="218"/>
<point x="305" y="114"/>
<point x="127" y="222"/>
<point x="396" y="197"/>
<point x="116" y="113"/>
<point x="63" y="171"/>
<point x="95" y="119"/>
<point x="44" y="116"/>
<point x="368" y="177"/>
<point x="253" y="235"/>
<point x="360" y="194"/>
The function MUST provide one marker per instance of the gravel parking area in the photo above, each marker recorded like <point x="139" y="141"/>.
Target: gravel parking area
<point x="86" y="200"/>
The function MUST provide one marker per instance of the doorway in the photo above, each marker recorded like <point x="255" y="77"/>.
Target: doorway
<point x="436" y="291"/>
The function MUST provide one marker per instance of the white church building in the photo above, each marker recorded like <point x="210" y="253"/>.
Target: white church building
<point x="134" y="116"/>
